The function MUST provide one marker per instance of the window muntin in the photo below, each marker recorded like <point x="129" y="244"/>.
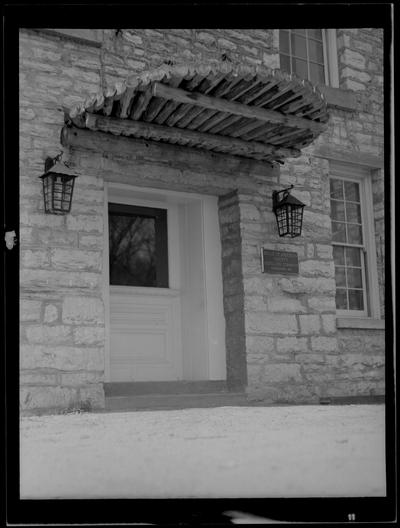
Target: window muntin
<point x="138" y="252"/>
<point x="348" y="246"/>
<point x="303" y="52"/>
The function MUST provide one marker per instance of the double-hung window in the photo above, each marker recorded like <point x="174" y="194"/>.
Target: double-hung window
<point x="310" y="54"/>
<point x="353" y="242"/>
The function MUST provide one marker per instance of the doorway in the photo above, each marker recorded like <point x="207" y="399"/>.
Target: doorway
<point x="164" y="286"/>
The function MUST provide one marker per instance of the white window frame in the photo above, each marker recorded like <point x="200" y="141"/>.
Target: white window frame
<point x="362" y="176"/>
<point x="330" y="57"/>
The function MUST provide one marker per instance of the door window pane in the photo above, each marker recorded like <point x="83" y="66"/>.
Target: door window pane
<point x="299" y="48"/>
<point x="351" y="191"/>
<point x="354" y="234"/>
<point x="138" y="253"/>
<point x="356" y="301"/>
<point x="336" y="189"/>
<point x="315" y="51"/>
<point x="353" y="256"/>
<point x="338" y="232"/>
<point x="315" y="33"/>
<point x="337" y="210"/>
<point x="317" y="74"/>
<point x="341" y="299"/>
<point x="284" y="41"/>
<point x="353" y="212"/>
<point x="299" y="67"/>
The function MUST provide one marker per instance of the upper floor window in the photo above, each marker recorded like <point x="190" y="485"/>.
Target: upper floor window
<point x="310" y="54"/>
<point x="353" y="235"/>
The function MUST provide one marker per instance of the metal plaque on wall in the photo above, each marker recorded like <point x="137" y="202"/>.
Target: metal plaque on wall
<point x="282" y="262"/>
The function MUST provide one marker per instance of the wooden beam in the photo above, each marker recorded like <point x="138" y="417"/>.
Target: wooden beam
<point x="222" y="105"/>
<point x="127" y="127"/>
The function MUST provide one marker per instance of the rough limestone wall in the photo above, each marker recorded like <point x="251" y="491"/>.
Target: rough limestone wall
<point x="61" y="306"/>
<point x="290" y="320"/>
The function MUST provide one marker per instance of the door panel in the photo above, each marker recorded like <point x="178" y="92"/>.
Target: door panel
<point x="144" y="337"/>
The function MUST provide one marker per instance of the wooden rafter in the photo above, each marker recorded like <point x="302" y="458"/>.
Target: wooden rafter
<point x="222" y="105"/>
<point x="127" y="127"/>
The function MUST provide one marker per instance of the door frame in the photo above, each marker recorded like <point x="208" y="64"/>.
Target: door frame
<point x="214" y="313"/>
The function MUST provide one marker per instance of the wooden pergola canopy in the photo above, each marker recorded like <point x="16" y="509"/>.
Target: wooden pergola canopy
<point x="258" y="113"/>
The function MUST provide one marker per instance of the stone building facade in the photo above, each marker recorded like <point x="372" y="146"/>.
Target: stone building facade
<point x="284" y="339"/>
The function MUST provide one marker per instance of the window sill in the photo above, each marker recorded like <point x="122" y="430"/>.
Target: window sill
<point x="355" y="322"/>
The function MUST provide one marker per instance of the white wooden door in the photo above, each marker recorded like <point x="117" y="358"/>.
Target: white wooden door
<point x="145" y="318"/>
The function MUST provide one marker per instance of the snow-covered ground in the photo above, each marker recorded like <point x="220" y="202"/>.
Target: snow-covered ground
<point x="302" y="451"/>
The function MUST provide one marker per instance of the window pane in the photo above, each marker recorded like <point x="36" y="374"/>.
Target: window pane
<point x="283" y="41"/>
<point x="132" y="250"/>
<point x="338" y="255"/>
<point x="356" y="301"/>
<point x="315" y="33"/>
<point x="299" y="67"/>
<point x="341" y="300"/>
<point x="299" y="47"/>
<point x="354" y="234"/>
<point x="285" y="63"/>
<point x="317" y="73"/>
<point x="299" y="31"/>
<point x="340" y="276"/>
<point x="338" y="232"/>
<point x="351" y="191"/>
<point x="337" y="210"/>
<point x="353" y="212"/>
<point x="353" y="257"/>
<point x="315" y="51"/>
<point x="354" y="278"/>
<point x="336" y="189"/>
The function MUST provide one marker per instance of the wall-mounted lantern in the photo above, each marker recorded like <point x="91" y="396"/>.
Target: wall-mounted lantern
<point x="58" y="186"/>
<point x="289" y="213"/>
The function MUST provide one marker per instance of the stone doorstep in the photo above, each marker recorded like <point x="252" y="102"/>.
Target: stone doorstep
<point x="139" y="388"/>
<point x="156" y="402"/>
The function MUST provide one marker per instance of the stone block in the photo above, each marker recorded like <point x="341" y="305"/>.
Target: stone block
<point x="282" y="373"/>
<point x="89" y="335"/>
<point x="254" y="303"/>
<point x="324" y="344"/>
<point x="329" y="323"/>
<point x="38" y="377"/>
<point x="309" y="324"/>
<point x="47" y="397"/>
<point x="50" y="313"/>
<point x="285" y="304"/>
<point x="310" y="358"/>
<point x="29" y="310"/>
<point x="34" y="258"/>
<point x="76" y="259"/>
<point x="324" y="251"/>
<point x="61" y="357"/>
<point x="32" y="278"/>
<point x="93" y="394"/>
<point x="259" y="345"/>
<point x="249" y="212"/>
<point x="81" y="378"/>
<point x="49" y="335"/>
<point x="86" y="223"/>
<point x="308" y="285"/>
<point x="353" y="59"/>
<point x="264" y="323"/>
<point x="83" y="310"/>
<point x="91" y="241"/>
<point x="316" y="268"/>
<point x="54" y="237"/>
<point x="285" y="345"/>
<point x="322" y="303"/>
